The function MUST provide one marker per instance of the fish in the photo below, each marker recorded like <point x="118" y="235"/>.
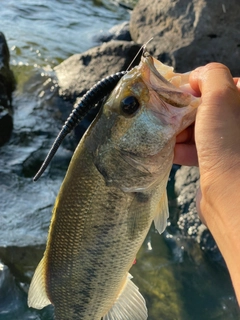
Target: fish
<point x="114" y="188"/>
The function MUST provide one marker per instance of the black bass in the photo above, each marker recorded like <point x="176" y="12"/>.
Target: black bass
<point x="114" y="188"/>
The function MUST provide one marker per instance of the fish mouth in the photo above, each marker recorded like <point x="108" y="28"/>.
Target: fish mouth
<point x="150" y="64"/>
<point x="171" y="101"/>
<point x="172" y="88"/>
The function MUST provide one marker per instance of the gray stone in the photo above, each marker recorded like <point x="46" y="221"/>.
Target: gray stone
<point x="118" y="32"/>
<point x="187" y="34"/>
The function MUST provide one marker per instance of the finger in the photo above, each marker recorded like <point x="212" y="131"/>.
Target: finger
<point x="237" y="82"/>
<point x="212" y="78"/>
<point x="186" y="136"/>
<point x="185" y="154"/>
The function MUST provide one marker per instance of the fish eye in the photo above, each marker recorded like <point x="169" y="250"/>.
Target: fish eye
<point x="130" y="105"/>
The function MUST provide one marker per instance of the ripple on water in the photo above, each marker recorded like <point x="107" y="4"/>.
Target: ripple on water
<point x="58" y="28"/>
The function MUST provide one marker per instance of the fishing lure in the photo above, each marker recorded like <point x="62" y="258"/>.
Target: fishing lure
<point x="100" y="90"/>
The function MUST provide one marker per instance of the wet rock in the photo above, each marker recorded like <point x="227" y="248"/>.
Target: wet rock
<point x="7" y="85"/>
<point x="13" y="299"/>
<point x="119" y="32"/>
<point x="80" y="72"/>
<point x="186" y="186"/>
<point x="187" y="34"/>
<point x="11" y="296"/>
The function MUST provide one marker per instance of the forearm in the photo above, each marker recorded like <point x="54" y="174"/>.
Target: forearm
<point x="221" y="212"/>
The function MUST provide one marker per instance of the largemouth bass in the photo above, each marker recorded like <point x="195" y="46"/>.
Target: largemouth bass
<point x="114" y="188"/>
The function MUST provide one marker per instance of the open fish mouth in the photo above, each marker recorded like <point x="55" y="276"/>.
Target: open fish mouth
<point x="172" y="87"/>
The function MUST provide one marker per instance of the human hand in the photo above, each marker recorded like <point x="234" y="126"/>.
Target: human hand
<point x="215" y="146"/>
<point x="213" y="143"/>
<point x="185" y="149"/>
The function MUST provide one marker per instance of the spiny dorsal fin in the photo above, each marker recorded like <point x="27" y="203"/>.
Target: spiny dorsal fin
<point x="130" y="304"/>
<point x="37" y="295"/>
<point x="162" y="215"/>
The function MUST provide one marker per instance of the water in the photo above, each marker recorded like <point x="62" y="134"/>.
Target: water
<point x="46" y="32"/>
<point x="176" y="278"/>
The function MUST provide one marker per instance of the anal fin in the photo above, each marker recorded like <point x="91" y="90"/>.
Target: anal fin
<point x="37" y="295"/>
<point x="160" y="220"/>
<point x="130" y="304"/>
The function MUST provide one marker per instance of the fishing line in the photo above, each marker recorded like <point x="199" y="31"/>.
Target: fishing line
<point x="143" y="49"/>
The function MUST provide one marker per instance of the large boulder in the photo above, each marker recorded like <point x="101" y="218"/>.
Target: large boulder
<point x="187" y="34"/>
<point x="81" y="71"/>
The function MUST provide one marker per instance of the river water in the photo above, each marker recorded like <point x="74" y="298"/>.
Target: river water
<point x="173" y="274"/>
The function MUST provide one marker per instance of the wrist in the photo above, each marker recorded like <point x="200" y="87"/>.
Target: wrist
<point x="220" y="210"/>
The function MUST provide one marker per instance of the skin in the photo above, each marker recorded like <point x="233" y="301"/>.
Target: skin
<point x="213" y="144"/>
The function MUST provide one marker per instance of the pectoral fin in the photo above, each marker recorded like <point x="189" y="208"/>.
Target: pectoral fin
<point x="37" y="295"/>
<point x="162" y="215"/>
<point x="130" y="304"/>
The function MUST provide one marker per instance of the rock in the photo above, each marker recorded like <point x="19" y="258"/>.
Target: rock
<point x="80" y="72"/>
<point x="6" y="75"/>
<point x="11" y="296"/>
<point x="186" y="186"/>
<point x="13" y="299"/>
<point x="187" y="34"/>
<point x="7" y="85"/>
<point x="119" y="32"/>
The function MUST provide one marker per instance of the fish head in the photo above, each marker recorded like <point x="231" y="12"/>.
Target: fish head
<point x="140" y="120"/>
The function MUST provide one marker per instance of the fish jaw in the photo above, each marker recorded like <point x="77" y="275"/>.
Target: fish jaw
<point x="172" y="99"/>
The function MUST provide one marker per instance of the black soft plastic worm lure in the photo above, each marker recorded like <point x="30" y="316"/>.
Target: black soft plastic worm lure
<point x="88" y="101"/>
